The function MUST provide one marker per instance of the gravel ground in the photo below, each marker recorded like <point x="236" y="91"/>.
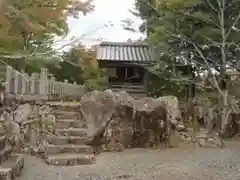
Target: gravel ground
<point x="145" y="164"/>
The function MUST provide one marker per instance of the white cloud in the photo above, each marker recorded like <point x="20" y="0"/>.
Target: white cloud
<point x="106" y="11"/>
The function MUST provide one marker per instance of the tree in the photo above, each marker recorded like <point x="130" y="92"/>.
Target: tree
<point x="27" y="27"/>
<point x="94" y="77"/>
<point x="69" y="68"/>
<point x="202" y="33"/>
<point x="79" y="65"/>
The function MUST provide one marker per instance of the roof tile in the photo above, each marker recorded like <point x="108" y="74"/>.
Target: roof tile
<point x="127" y="52"/>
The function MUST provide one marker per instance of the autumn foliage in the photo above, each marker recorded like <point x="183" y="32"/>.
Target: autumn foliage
<point x="29" y="23"/>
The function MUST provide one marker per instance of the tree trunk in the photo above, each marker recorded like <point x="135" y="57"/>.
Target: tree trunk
<point x="195" y="123"/>
<point x="224" y="112"/>
<point x="223" y="70"/>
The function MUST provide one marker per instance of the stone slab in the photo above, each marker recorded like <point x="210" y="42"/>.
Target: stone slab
<point x="11" y="168"/>
<point x="60" y="140"/>
<point x="68" y="148"/>
<point x="67" y="123"/>
<point x="72" y="132"/>
<point x="70" y="159"/>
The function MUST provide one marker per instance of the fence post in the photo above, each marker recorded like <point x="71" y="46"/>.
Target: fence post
<point x="43" y="84"/>
<point x="24" y="83"/>
<point x="57" y="89"/>
<point x="51" y="85"/>
<point x="74" y="89"/>
<point x="33" y="83"/>
<point x="8" y="85"/>
<point x="16" y="82"/>
<point x="65" y="88"/>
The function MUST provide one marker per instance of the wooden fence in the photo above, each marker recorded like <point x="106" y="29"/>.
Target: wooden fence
<point x="39" y="86"/>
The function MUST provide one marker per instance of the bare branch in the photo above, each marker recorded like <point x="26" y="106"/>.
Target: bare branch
<point x="232" y="26"/>
<point x="213" y="43"/>
<point x="203" y="58"/>
<point x="211" y="5"/>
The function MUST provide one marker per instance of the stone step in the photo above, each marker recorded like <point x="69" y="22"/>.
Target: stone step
<point x="4" y="153"/>
<point x="2" y="142"/>
<point x="68" y="148"/>
<point x="63" y="104"/>
<point x="66" y="123"/>
<point x="72" y="132"/>
<point x="67" y="108"/>
<point x="64" y="112"/>
<point x="12" y="167"/>
<point x="60" y="140"/>
<point x="67" y="116"/>
<point x="70" y="159"/>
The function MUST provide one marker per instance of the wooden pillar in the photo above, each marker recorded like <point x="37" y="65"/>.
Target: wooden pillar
<point x="126" y="73"/>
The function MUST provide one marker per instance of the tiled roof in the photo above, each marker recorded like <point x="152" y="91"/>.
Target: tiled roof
<point x="125" y="52"/>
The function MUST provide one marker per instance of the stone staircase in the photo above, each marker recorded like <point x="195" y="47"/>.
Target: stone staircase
<point x="10" y="164"/>
<point x="68" y="146"/>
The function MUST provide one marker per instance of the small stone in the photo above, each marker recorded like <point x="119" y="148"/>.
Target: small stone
<point x="202" y="142"/>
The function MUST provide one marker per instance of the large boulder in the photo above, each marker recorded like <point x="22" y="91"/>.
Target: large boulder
<point x="173" y="111"/>
<point x="108" y="116"/>
<point x="174" y="119"/>
<point x="119" y="132"/>
<point x="150" y="123"/>
<point x="97" y="108"/>
<point x="116" y="121"/>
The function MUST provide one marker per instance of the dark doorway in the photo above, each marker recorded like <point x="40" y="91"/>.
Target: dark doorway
<point x="120" y="72"/>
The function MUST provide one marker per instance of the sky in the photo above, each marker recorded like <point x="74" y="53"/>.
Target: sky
<point x="104" y="23"/>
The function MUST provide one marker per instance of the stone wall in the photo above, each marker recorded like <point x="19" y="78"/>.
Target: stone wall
<point x="26" y="125"/>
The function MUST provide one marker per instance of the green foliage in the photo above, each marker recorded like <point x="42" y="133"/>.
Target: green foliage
<point x="159" y="86"/>
<point x="79" y="65"/>
<point x="192" y="31"/>
<point x="69" y="68"/>
<point x="196" y="23"/>
<point x="96" y="80"/>
<point x="64" y="70"/>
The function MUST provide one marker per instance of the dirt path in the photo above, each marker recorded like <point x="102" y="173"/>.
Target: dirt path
<point x="144" y="164"/>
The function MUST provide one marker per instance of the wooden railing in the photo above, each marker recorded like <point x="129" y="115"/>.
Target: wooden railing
<point x="39" y="86"/>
